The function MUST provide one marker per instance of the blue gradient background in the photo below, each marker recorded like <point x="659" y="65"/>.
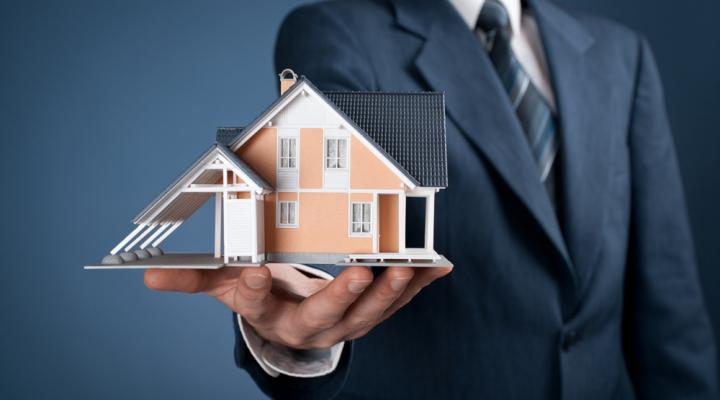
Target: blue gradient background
<point x="103" y="102"/>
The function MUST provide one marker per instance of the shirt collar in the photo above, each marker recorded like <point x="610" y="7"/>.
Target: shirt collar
<point x="469" y="10"/>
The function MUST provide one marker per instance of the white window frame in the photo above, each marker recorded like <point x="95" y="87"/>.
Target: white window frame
<point x="290" y="158"/>
<point x="337" y="158"/>
<point x="290" y="204"/>
<point x="365" y="219"/>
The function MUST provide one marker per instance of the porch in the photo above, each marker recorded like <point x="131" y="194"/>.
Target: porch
<point x="403" y="228"/>
<point x="238" y="233"/>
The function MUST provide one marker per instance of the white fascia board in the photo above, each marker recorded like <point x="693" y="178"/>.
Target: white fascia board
<point x="422" y="191"/>
<point x="304" y="87"/>
<point x="340" y="191"/>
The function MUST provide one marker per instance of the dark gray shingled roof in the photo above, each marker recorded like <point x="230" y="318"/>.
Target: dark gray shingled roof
<point x="225" y="135"/>
<point x="410" y="127"/>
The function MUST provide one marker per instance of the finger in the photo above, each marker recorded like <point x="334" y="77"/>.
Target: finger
<point x="368" y="310"/>
<point x="422" y="278"/>
<point x="178" y="280"/>
<point x="289" y="279"/>
<point x="326" y="307"/>
<point x="252" y="298"/>
<point x="212" y="282"/>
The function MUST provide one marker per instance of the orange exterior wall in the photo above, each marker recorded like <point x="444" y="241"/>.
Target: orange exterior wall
<point x="367" y="171"/>
<point x="388" y="221"/>
<point x="287" y="196"/>
<point x="260" y="153"/>
<point x="323" y="218"/>
<point x="234" y="178"/>
<point x="361" y="197"/>
<point x="311" y="158"/>
<point x="242" y="195"/>
<point x="323" y="227"/>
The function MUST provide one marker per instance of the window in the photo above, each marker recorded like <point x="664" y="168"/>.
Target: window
<point x="288" y="153"/>
<point x="361" y="218"/>
<point x="335" y="153"/>
<point x="288" y="213"/>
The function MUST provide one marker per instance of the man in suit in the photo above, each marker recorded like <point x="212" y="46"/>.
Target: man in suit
<point x="574" y="270"/>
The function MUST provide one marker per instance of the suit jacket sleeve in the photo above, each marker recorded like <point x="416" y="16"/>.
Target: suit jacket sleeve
<point x="312" y="42"/>
<point x="668" y="338"/>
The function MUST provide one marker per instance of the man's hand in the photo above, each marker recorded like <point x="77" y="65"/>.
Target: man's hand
<point x="345" y="308"/>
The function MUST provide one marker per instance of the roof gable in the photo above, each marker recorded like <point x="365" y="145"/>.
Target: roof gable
<point x="303" y="86"/>
<point x="195" y="171"/>
<point x="243" y="170"/>
<point x="406" y="130"/>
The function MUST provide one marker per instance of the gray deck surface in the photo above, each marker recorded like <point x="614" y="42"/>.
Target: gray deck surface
<point x="207" y="261"/>
<point x="441" y="262"/>
<point x="176" y="260"/>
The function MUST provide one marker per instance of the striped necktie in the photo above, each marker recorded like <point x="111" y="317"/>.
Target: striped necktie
<point x="532" y="109"/>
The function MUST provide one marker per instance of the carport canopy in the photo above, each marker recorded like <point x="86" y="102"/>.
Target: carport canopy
<point x="208" y="175"/>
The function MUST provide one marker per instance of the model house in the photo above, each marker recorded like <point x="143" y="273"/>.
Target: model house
<point x="319" y="177"/>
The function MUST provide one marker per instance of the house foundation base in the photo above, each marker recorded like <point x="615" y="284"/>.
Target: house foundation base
<point x="440" y="261"/>
<point x="208" y="261"/>
<point x="172" y="261"/>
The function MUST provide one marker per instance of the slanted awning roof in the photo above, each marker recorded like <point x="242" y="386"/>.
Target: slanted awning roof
<point x="187" y="193"/>
<point x="202" y="180"/>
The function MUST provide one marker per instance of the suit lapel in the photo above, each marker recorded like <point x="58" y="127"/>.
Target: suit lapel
<point x="478" y="104"/>
<point x="583" y="95"/>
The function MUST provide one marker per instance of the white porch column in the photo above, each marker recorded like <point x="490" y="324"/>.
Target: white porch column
<point x="139" y="238"/>
<point x="375" y="228"/>
<point x="401" y="222"/>
<point x="167" y="233"/>
<point x="224" y="215"/>
<point x="429" y="221"/>
<point x="218" y="225"/>
<point x="127" y="239"/>
<point x="253" y="218"/>
<point x="154" y="236"/>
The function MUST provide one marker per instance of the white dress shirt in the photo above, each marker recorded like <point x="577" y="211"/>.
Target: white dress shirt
<point x="525" y="41"/>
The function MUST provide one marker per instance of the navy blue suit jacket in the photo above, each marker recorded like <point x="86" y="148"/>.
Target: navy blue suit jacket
<point x="600" y="302"/>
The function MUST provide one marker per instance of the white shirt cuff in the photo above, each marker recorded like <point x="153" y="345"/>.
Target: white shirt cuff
<point x="276" y="359"/>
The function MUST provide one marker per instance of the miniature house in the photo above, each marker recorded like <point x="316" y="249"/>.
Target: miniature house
<point x="319" y="177"/>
